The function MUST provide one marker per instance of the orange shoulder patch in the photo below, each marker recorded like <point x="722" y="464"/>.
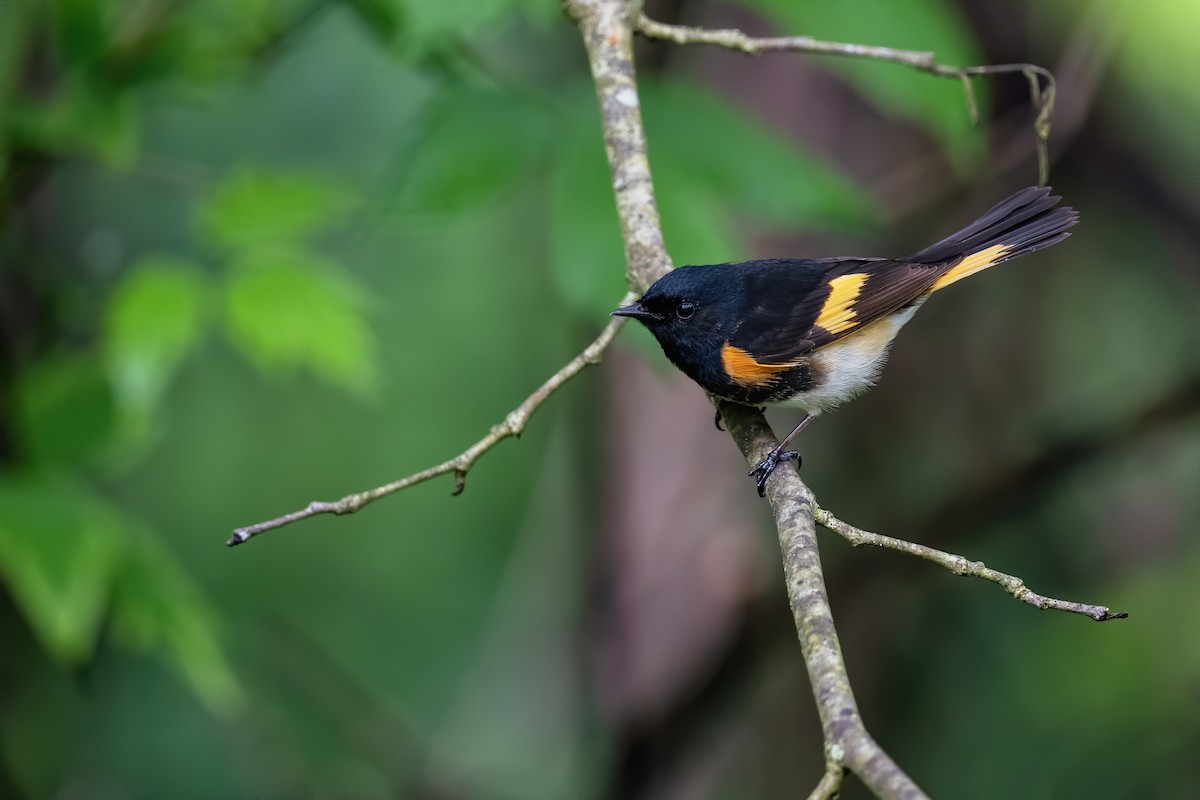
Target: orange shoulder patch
<point x="838" y="312"/>
<point x="745" y="371"/>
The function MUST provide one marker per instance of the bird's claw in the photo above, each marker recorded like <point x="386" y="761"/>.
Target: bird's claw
<point x="717" y="420"/>
<point x="768" y="465"/>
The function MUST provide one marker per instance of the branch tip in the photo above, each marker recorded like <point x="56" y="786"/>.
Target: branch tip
<point x="960" y="565"/>
<point x="512" y="426"/>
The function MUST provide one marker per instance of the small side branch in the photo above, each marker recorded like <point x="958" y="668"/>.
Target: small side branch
<point x="460" y="465"/>
<point x="962" y="566"/>
<point x="923" y="60"/>
<point x="831" y="781"/>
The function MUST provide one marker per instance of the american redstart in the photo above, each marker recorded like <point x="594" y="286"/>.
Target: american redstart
<point x="813" y="334"/>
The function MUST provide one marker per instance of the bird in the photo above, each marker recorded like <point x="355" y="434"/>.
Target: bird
<point x="815" y="333"/>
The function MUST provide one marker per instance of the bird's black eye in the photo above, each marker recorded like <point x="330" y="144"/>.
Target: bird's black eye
<point x="685" y="310"/>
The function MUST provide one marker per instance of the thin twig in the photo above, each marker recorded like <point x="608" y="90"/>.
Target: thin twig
<point x="831" y="781"/>
<point x="460" y="465"/>
<point x="923" y="60"/>
<point x="962" y="566"/>
<point x="733" y="39"/>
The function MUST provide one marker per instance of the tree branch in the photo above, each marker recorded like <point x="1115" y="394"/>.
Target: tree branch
<point x="460" y="465"/>
<point x="607" y="28"/>
<point x="923" y="60"/>
<point x="962" y="566"/>
<point x="831" y="781"/>
<point x="792" y="506"/>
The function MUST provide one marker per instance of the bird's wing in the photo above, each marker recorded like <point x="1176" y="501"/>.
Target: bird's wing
<point x="850" y="293"/>
<point x="834" y="297"/>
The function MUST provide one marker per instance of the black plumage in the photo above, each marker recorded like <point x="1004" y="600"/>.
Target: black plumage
<point x="814" y="333"/>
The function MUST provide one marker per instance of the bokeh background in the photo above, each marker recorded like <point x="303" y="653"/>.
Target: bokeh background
<point x="261" y="252"/>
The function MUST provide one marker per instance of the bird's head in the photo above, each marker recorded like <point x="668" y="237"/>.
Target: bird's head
<point x="692" y="312"/>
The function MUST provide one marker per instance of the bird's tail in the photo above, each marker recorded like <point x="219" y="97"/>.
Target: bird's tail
<point x="1025" y="222"/>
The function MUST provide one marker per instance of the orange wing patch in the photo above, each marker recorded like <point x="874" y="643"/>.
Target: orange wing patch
<point x="838" y="312"/>
<point x="976" y="262"/>
<point x="745" y="371"/>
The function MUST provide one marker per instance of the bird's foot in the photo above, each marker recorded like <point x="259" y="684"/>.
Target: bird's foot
<point x="768" y="465"/>
<point x="717" y="421"/>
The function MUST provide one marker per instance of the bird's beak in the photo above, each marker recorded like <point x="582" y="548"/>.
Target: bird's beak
<point x="636" y="311"/>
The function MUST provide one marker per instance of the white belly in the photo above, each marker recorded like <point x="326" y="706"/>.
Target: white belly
<point x="850" y="366"/>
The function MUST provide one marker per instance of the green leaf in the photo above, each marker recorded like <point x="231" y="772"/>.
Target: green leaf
<point x="254" y="207"/>
<point x="586" y="253"/>
<point x="83" y="32"/>
<point x="66" y="410"/>
<point x="80" y="120"/>
<point x="431" y="23"/>
<point x="13" y="46"/>
<point x="1155" y="69"/>
<point x="936" y="103"/>
<point x="479" y="144"/>
<point x="65" y="554"/>
<point x="207" y="42"/>
<point x="383" y="18"/>
<point x="157" y="608"/>
<point x="240" y="28"/>
<point x="153" y="320"/>
<point x="705" y="150"/>
<point x="288" y="309"/>
<point x="58" y="548"/>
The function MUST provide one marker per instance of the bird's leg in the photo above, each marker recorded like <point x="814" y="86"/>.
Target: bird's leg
<point x="768" y="464"/>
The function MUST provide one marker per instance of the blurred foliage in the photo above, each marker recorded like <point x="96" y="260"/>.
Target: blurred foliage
<point x="922" y="25"/>
<point x="261" y="252"/>
<point x="154" y="318"/>
<point x="68" y="557"/>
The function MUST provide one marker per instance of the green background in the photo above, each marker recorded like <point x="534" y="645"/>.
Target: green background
<point x="262" y="252"/>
